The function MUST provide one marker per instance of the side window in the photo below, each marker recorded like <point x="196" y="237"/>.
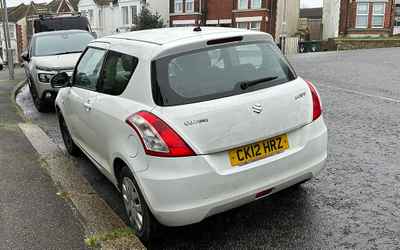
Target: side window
<point x="117" y="71"/>
<point x="88" y="71"/>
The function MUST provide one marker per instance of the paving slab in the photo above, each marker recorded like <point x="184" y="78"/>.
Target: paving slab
<point x="32" y="215"/>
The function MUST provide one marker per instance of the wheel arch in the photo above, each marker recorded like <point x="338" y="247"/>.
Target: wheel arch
<point x="118" y="165"/>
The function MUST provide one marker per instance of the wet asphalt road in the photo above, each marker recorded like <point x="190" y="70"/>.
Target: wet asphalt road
<point x="354" y="203"/>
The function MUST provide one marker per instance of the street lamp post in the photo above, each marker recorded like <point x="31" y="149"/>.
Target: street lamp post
<point x="8" y="41"/>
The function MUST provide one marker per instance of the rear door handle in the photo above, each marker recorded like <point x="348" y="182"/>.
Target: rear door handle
<point x="88" y="106"/>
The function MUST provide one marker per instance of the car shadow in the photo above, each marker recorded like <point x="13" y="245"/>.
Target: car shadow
<point x="267" y="223"/>
<point x="103" y="187"/>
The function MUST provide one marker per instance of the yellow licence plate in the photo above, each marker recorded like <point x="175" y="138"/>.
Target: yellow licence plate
<point x="260" y="150"/>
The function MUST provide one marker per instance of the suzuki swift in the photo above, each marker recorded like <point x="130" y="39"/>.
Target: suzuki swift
<point x="190" y="122"/>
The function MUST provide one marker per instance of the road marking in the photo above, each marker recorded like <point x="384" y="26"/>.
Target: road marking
<point x="362" y="93"/>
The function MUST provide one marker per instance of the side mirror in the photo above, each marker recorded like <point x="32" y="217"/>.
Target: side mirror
<point x="94" y="34"/>
<point x="61" y="80"/>
<point x="25" y="56"/>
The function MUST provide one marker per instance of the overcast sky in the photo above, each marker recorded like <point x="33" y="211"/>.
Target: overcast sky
<point x="311" y="3"/>
<point x="304" y="3"/>
<point x="16" y="2"/>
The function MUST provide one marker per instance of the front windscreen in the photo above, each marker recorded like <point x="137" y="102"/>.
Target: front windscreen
<point x="61" y="43"/>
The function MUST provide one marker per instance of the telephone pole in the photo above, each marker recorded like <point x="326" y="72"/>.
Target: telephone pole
<point x="284" y="27"/>
<point x="8" y="41"/>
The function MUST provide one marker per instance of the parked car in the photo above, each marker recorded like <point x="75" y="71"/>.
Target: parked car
<point x="1" y="63"/>
<point x="188" y="123"/>
<point x="50" y="53"/>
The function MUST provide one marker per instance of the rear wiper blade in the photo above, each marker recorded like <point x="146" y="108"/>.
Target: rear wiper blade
<point x="247" y="84"/>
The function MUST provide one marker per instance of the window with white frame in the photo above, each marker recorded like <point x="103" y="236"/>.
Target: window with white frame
<point x="256" y="4"/>
<point x="378" y="15"/>
<point x="11" y="31"/>
<point x="242" y="25"/>
<point x="100" y="18"/>
<point x="362" y="15"/>
<point x="178" y="6"/>
<point x="255" y="26"/>
<point x="397" y="15"/>
<point x="90" y="14"/>
<point x="125" y="15"/>
<point x="134" y="12"/>
<point x="243" y="4"/>
<point x="189" y="5"/>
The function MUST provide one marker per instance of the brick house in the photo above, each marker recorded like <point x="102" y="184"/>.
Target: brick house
<point x="368" y="17"/>
<point x="261" y="15"/>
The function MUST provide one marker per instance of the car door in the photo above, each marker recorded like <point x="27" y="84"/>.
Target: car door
<point x="81" y="97"/>
<point x="107" y="117"/>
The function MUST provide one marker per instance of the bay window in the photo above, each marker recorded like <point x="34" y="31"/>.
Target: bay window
<point x="255" y="26"/>
<point x="378" y="15"/>
<point x="90" y="13"/>
<point x="189" y="5"/>
<point x="134" y="12"/>
<point x="178" y="6"/>
<point x="243" y="4"/>
<point x="256" y="4"/>
<point x="242" y="25"/>
<point x="362" y="15"/>
<point x="125" y="15"/>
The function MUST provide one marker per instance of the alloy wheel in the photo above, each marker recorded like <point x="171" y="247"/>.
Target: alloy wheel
<point x="132" y="203"/>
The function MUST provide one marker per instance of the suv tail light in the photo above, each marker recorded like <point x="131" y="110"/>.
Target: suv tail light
<point x="157" y="137"/>
<point x="317" y="107"/>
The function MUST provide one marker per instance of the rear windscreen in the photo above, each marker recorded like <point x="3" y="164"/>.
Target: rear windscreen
<point x="218" y="72"/>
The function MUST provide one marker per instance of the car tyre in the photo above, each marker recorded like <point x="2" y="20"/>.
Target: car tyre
<point x="141" y="219"/>
<point x="70" y="145"/>
<point x="39" y="103"/>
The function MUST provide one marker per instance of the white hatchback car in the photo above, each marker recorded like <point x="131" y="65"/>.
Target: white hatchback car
<point x="188" y="123"/>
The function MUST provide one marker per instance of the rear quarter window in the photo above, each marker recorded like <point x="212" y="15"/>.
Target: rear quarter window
<point x="117" y="71"/>
<point x="217" y="72"/>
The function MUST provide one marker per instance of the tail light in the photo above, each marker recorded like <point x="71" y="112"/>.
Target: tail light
<point x="157" y="137"/>
<point x="317" y="107"/>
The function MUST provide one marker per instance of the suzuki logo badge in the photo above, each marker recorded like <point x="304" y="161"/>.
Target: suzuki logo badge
<point x="257" y="108"/>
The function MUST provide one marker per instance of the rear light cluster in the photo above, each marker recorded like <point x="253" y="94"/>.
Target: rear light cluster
<point x="317" y="107"/>
<point x="157" y="137"/>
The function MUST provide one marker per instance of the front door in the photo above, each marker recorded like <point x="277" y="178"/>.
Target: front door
<point x="82" y="95"/>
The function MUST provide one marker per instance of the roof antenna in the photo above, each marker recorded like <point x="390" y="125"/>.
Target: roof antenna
<point x="197" y="28"/>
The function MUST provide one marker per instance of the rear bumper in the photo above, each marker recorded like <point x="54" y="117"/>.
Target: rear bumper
<point x="187" y="190"/>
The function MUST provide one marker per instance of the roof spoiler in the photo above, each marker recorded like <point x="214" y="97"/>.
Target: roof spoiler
<point x="225" y="40"/>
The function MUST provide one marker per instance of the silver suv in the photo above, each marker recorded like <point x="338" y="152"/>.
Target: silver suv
<point x="50" y="53"/>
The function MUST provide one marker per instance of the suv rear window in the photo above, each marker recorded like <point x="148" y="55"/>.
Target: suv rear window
<point x="218" y="72"/>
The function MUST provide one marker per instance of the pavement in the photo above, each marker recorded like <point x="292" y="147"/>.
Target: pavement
<point x="353" y="204"/>
<point x="32" y="215"/>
